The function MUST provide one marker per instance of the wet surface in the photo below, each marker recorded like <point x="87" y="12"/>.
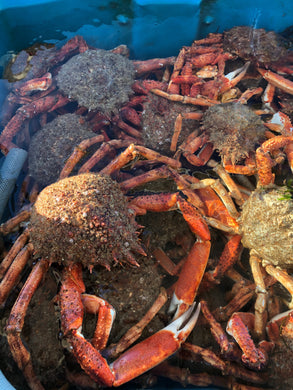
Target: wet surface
<point x="132" y="290"/>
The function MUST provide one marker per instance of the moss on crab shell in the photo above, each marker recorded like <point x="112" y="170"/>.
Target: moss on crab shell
<point x="234" y="129"/>
<point x="267" y="226"/>
<point x="51" y="146"/>
<point x="83" y="219"/>
<point x="254" y="44"/>
<point x="158" y="121"/>
<point x="98" y="80"/>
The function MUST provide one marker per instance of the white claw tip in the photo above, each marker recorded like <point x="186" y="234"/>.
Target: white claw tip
<point x="184" y="324"/>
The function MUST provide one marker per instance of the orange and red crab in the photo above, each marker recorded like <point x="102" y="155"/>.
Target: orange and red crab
<point x="98" y="81"/>
<point x="199" y="69"/>
<point x="258" y="152"/>
<point x="93" y="211"/>
<point x="265" y="226"/>
<point x="240" y="136"/>
<point x="85" y="220"/>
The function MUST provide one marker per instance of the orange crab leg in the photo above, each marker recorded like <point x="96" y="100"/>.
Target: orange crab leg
<point x="169" y="201"/>
<point x="78" y="152"/>
<point x="191" y="145"/>
<point x="237" y="327"/>
<point x="11" y="255"/>
<point x="137" y="150"/>
<point x="228" y="257"/>
<point x="12" y="275"/>
<point x="178" y="65"/>
<point x="106" y="315"/>
<point x="214" y="207"/>
<point x="190" y="277"/>
<point x="104" y="150"/>
<point x="138" y="359"/>
<point x="277" y="80"/>
<point x="246" y="95"/>
<point x="200" y="101"/>
<point x="46" y="104"/>
<point x="154" y="174"/>
<point x="186" y="79"/>
<point x="16" y="321"/>
<point x="264" y="161"/>
<point x="265" y="164"/>
<point x="72" y="310"/>
<point x="194" y="219"/>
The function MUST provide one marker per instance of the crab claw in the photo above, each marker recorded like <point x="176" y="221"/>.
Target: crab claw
<point x="135" y="361"/>
<point x="235" y="76"/>
<point x="155" y="349"/>
<point x="190" y="277"/>
<point x="280" y="122"/>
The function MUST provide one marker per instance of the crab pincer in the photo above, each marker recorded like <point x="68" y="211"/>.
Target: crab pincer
<point x="154" y="349"/>
<point x="135" y="361"/>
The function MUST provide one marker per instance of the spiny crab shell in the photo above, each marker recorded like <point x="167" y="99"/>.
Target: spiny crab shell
<point x="254" y="44"/>
<point x="51" y="146"/>
<point x="98" y="80"/>
<point x="267" y="225"/>
<point x="234" y="129"/>
<point x="158" y="117"/>
<point x="83" y="219"/>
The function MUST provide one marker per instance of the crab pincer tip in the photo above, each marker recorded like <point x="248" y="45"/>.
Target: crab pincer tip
<point x="183" y="325"/>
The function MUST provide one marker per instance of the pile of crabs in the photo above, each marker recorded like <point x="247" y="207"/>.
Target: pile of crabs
<point x="158" y="192"/>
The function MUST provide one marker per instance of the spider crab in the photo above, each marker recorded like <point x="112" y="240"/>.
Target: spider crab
<point x="109" y="223"/>
<point x="199" y="70"/>
<point x="84" y="220"/>
<point x="199" y="79"/>
<point x="266" y="229"/>
<point x="265" y="226"/>
<point x="59" y="82"/>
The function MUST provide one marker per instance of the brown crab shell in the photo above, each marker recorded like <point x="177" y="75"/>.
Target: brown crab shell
<point x="234" y="130"/>
<point x="83" y="219"/>
<point x="98" y="80"/>
<point x="267" y="225"/>
<point x="257" y="45"/>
